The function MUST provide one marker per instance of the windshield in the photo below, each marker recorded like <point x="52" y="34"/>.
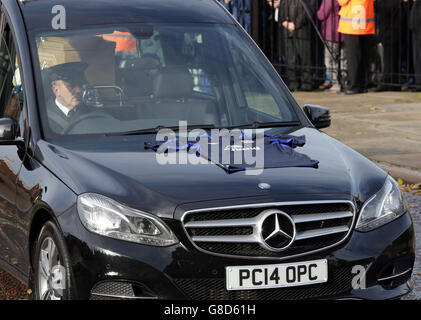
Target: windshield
<point x="137" y="77"/>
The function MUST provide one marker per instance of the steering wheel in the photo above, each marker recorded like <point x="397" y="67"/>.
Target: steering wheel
<point x="92" y="115"/>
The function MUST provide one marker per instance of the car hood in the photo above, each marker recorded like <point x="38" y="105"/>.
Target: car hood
<point x="121" y="168"/>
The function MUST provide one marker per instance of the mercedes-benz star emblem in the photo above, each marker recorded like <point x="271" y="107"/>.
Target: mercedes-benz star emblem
<point x="278" y="230"/>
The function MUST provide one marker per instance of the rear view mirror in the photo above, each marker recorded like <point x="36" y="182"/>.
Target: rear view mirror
<point x="142" y="32"/>
<point x="8" y="130"/>
<point x="319" y="116"/>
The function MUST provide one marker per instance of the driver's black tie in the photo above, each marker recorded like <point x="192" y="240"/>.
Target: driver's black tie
<point x="71" y="113"/>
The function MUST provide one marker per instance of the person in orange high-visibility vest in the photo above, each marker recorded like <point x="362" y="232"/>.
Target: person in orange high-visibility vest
<point x="357" y="23"/>
<point x="125" y="41"/>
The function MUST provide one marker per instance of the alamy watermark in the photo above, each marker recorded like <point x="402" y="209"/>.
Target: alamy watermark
<point x="58" y="278"/>
<point x="360" y="20"/>
<point x="243" y="149"/>
<point x="359" y="280"/>
<point x="59" y="20"/>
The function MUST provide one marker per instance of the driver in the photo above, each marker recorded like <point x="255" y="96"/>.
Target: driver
<point x="68" y="82"/>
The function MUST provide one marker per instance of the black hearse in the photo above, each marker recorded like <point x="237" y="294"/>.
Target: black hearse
<point x="88" y="211"/>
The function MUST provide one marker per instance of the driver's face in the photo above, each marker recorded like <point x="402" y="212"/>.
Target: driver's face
<point x="68" y="95"/>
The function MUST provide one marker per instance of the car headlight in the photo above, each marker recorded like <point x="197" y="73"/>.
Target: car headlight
<point x="109" y="218"/>
<point x="385" y="206"/>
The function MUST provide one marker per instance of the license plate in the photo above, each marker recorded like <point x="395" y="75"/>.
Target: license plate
<point x="276" y="275"/>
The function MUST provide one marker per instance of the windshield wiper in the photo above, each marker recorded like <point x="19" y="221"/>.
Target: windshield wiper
<point x="278" y="124"/>
<point x="253" y="125"/>
<point x="157" y="128"/>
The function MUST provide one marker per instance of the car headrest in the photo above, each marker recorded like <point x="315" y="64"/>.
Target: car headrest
<point x="173" y="82"/>
<point x="146" y="62"/>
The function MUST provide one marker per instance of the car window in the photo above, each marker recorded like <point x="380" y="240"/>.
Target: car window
<point x="141" y="76"/>
<point x="11" y="94"/>
<point x="257" y="93"/>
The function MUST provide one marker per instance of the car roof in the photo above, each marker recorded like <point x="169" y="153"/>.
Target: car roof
<point x="38" y="13"/>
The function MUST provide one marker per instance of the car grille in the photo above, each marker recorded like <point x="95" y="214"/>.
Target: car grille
<point x="235" y="232"/>
<point x="112" y="290"/>
<point x="120" y="290"/>
<point x="340" y="281"/>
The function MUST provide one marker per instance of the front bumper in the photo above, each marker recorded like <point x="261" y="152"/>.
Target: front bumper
<point x="108" y="268"/>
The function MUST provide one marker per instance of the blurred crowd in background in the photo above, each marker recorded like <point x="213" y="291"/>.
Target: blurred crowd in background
<point x="344" y="46"/>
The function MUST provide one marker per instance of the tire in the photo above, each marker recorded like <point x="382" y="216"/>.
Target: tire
<point x="54" y="280"/>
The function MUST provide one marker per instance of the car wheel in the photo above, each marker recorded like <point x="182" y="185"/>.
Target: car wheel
<point x="51" y="267"/>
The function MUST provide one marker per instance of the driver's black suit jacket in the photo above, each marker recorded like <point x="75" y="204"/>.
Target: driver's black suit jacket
<point x="58" y="121"/>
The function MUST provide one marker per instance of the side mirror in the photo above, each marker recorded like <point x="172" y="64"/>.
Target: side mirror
<point x="319" y="116"/>
<point x="8" y="129"/>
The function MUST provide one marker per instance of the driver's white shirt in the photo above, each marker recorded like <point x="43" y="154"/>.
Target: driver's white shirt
<point x="64" y="109"/>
